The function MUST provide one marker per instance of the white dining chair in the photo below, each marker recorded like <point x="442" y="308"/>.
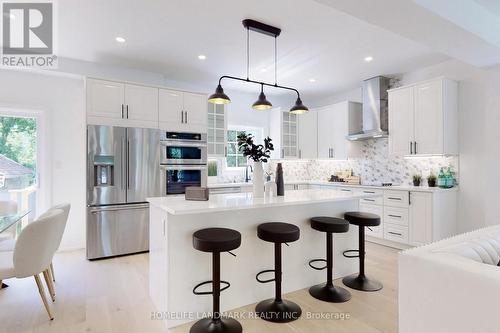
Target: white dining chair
<point x="34" y="251"/>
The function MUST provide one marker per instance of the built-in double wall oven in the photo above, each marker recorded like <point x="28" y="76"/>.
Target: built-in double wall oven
<point x="183" y="161"/>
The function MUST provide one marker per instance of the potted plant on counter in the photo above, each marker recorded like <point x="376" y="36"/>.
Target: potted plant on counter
<point x="417" y="179"/>
<point x="431" y="180"/>
<point x="258" y="154"/>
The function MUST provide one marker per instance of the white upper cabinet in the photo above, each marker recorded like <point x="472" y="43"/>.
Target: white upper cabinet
<point x="121" y="104"/>
<point x="284" y="132"/>
<point x="195" y="108"/>
<point x="171" y="112"/>
<point x="182" y="111"/>
<point x="333" y="129"/>
<point x="401" y="121"/>
<point x="423" y="118"/>
<point x="134" y="105"/>
<point x="308" y="141"/>
<point x="105" y="99"/>
<point x="325" y="123"/>
<point x="217" y="130"/>
<point x="141" y="105"/>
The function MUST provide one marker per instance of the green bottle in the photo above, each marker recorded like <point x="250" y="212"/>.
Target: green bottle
<point x="441" y="179"/>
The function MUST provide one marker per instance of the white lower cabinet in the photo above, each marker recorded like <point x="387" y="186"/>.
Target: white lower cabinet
<point x="377" y="210"/>
<point x="421" y="221"/>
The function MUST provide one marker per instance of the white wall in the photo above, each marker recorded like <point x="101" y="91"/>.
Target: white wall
<point x="62" y="102"/>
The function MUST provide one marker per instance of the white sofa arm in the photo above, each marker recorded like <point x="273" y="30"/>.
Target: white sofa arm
<point x="442" y="292"/>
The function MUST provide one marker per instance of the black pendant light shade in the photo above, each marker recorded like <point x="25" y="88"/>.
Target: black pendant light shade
<point x="262" y="103"/>
<point x="299" y="108"/>
<point x="219" y="97"/>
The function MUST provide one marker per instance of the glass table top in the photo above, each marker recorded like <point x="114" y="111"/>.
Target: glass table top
<point x="7" y="221"/>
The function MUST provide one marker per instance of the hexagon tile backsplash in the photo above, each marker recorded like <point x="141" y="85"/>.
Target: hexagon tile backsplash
<point x="374" y="166"/>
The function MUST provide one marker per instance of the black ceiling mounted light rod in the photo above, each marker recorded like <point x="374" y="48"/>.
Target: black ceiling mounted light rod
<point x="219" y="97"/>
<point x="258" y="82"/>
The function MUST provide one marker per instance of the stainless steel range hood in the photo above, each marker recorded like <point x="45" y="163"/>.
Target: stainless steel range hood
<point x="374" y="120"/>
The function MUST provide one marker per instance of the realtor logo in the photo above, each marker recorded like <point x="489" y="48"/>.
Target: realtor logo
<point x="28" y="34"/>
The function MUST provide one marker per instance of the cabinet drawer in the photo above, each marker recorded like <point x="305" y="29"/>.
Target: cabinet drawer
<point x="374" y="209"/>
<point x="396" y="215"/>
<point x="375" y="200"/>
<point x="396" y="233"/>
<point x="396" y="198"/>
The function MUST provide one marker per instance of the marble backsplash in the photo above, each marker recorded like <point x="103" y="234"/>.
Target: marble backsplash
<point x="374" y="166"/>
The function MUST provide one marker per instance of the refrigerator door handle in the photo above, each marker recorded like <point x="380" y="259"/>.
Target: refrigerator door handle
<point x="128" y="164"/>
<point x="97" y="210"/>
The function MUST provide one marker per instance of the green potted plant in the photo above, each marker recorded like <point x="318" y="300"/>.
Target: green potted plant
<point x="258" y="154"/>
<point x="417" y="179"/>
<point x="431" y="180"/>
<point x="212" y="171"/>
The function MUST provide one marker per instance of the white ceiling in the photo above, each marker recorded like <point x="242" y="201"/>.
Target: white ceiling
<point x="317" y="41"/>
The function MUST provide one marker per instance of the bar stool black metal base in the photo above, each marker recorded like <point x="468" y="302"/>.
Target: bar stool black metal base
<point x="330" y="294"/>
<point x="221" y="325"/>
<point x="360" y="282"/>
<point x="278" y="311"/>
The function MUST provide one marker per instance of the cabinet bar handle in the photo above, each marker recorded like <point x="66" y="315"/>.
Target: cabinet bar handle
<point x="411" y="147"/>
<point x="127" y="111"/>
<point x="122" y="111"/>
<point x="395" y="216"/>
<point x="186" y="116"/>
<point x="182" y="117"/>
<point x="371" y="200"/>
<point x="395" y="233"/>
<point x="369" y="192"/>
<point x="415" y="145"/>
<point x="392" y="198"/>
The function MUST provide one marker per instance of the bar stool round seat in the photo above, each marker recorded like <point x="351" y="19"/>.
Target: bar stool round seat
<point x="278" y="232"/>
<point x="329" y="224"/>
<point x="215" y="240"/>
<point x="362" y="219"/>
<point x="328" y="292"/>
<point x="360" y="281"/>
<point x="276" y="309"/>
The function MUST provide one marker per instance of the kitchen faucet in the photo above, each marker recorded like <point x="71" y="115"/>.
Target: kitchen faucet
<point x="246" y="173"/>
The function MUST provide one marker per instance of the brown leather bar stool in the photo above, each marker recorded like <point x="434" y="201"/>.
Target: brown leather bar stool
<point x="328" y="292"/>
<point x="360" y="281"/>
<point x="276" y="309"/>
<point x="216" y="240"/>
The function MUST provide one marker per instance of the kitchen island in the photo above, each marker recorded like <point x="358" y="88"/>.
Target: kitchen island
<point x="176" y="267"/>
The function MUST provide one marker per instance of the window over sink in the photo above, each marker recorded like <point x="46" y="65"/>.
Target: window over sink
<point x="235" y="158"/>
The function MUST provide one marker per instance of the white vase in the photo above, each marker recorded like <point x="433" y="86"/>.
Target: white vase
<point x="258" y="180"/>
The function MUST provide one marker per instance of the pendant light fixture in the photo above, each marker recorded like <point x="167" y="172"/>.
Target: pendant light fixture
<point x="219" y="97"/>
<point x="262" y="103"/>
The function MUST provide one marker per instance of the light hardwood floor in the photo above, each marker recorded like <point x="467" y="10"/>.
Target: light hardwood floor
<point x="112" y="296"/>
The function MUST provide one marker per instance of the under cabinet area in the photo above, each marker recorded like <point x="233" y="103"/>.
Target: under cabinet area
<point x="423" y="118"/>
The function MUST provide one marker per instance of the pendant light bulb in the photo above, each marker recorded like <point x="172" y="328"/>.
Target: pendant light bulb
<point x="299" y="108"/>
<point x="219" y="97"/>
<point x="262" y="103"/>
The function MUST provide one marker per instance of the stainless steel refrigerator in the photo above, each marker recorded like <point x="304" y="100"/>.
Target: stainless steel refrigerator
<point x="122" y="171"/>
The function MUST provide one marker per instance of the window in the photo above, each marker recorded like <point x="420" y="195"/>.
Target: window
<point x="235" y="158"/>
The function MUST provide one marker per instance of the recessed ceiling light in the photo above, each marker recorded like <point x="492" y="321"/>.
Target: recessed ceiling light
<point x="368" y="59"/>
<point x="312" y="80"/>
<point x="120" y="40"/>
<point x="263" y="70"/>
<point x="202" y="57"/>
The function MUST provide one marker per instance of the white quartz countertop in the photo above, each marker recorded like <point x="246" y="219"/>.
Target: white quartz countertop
<point x="327" y="183"/>
<point x="178" y="205"/>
